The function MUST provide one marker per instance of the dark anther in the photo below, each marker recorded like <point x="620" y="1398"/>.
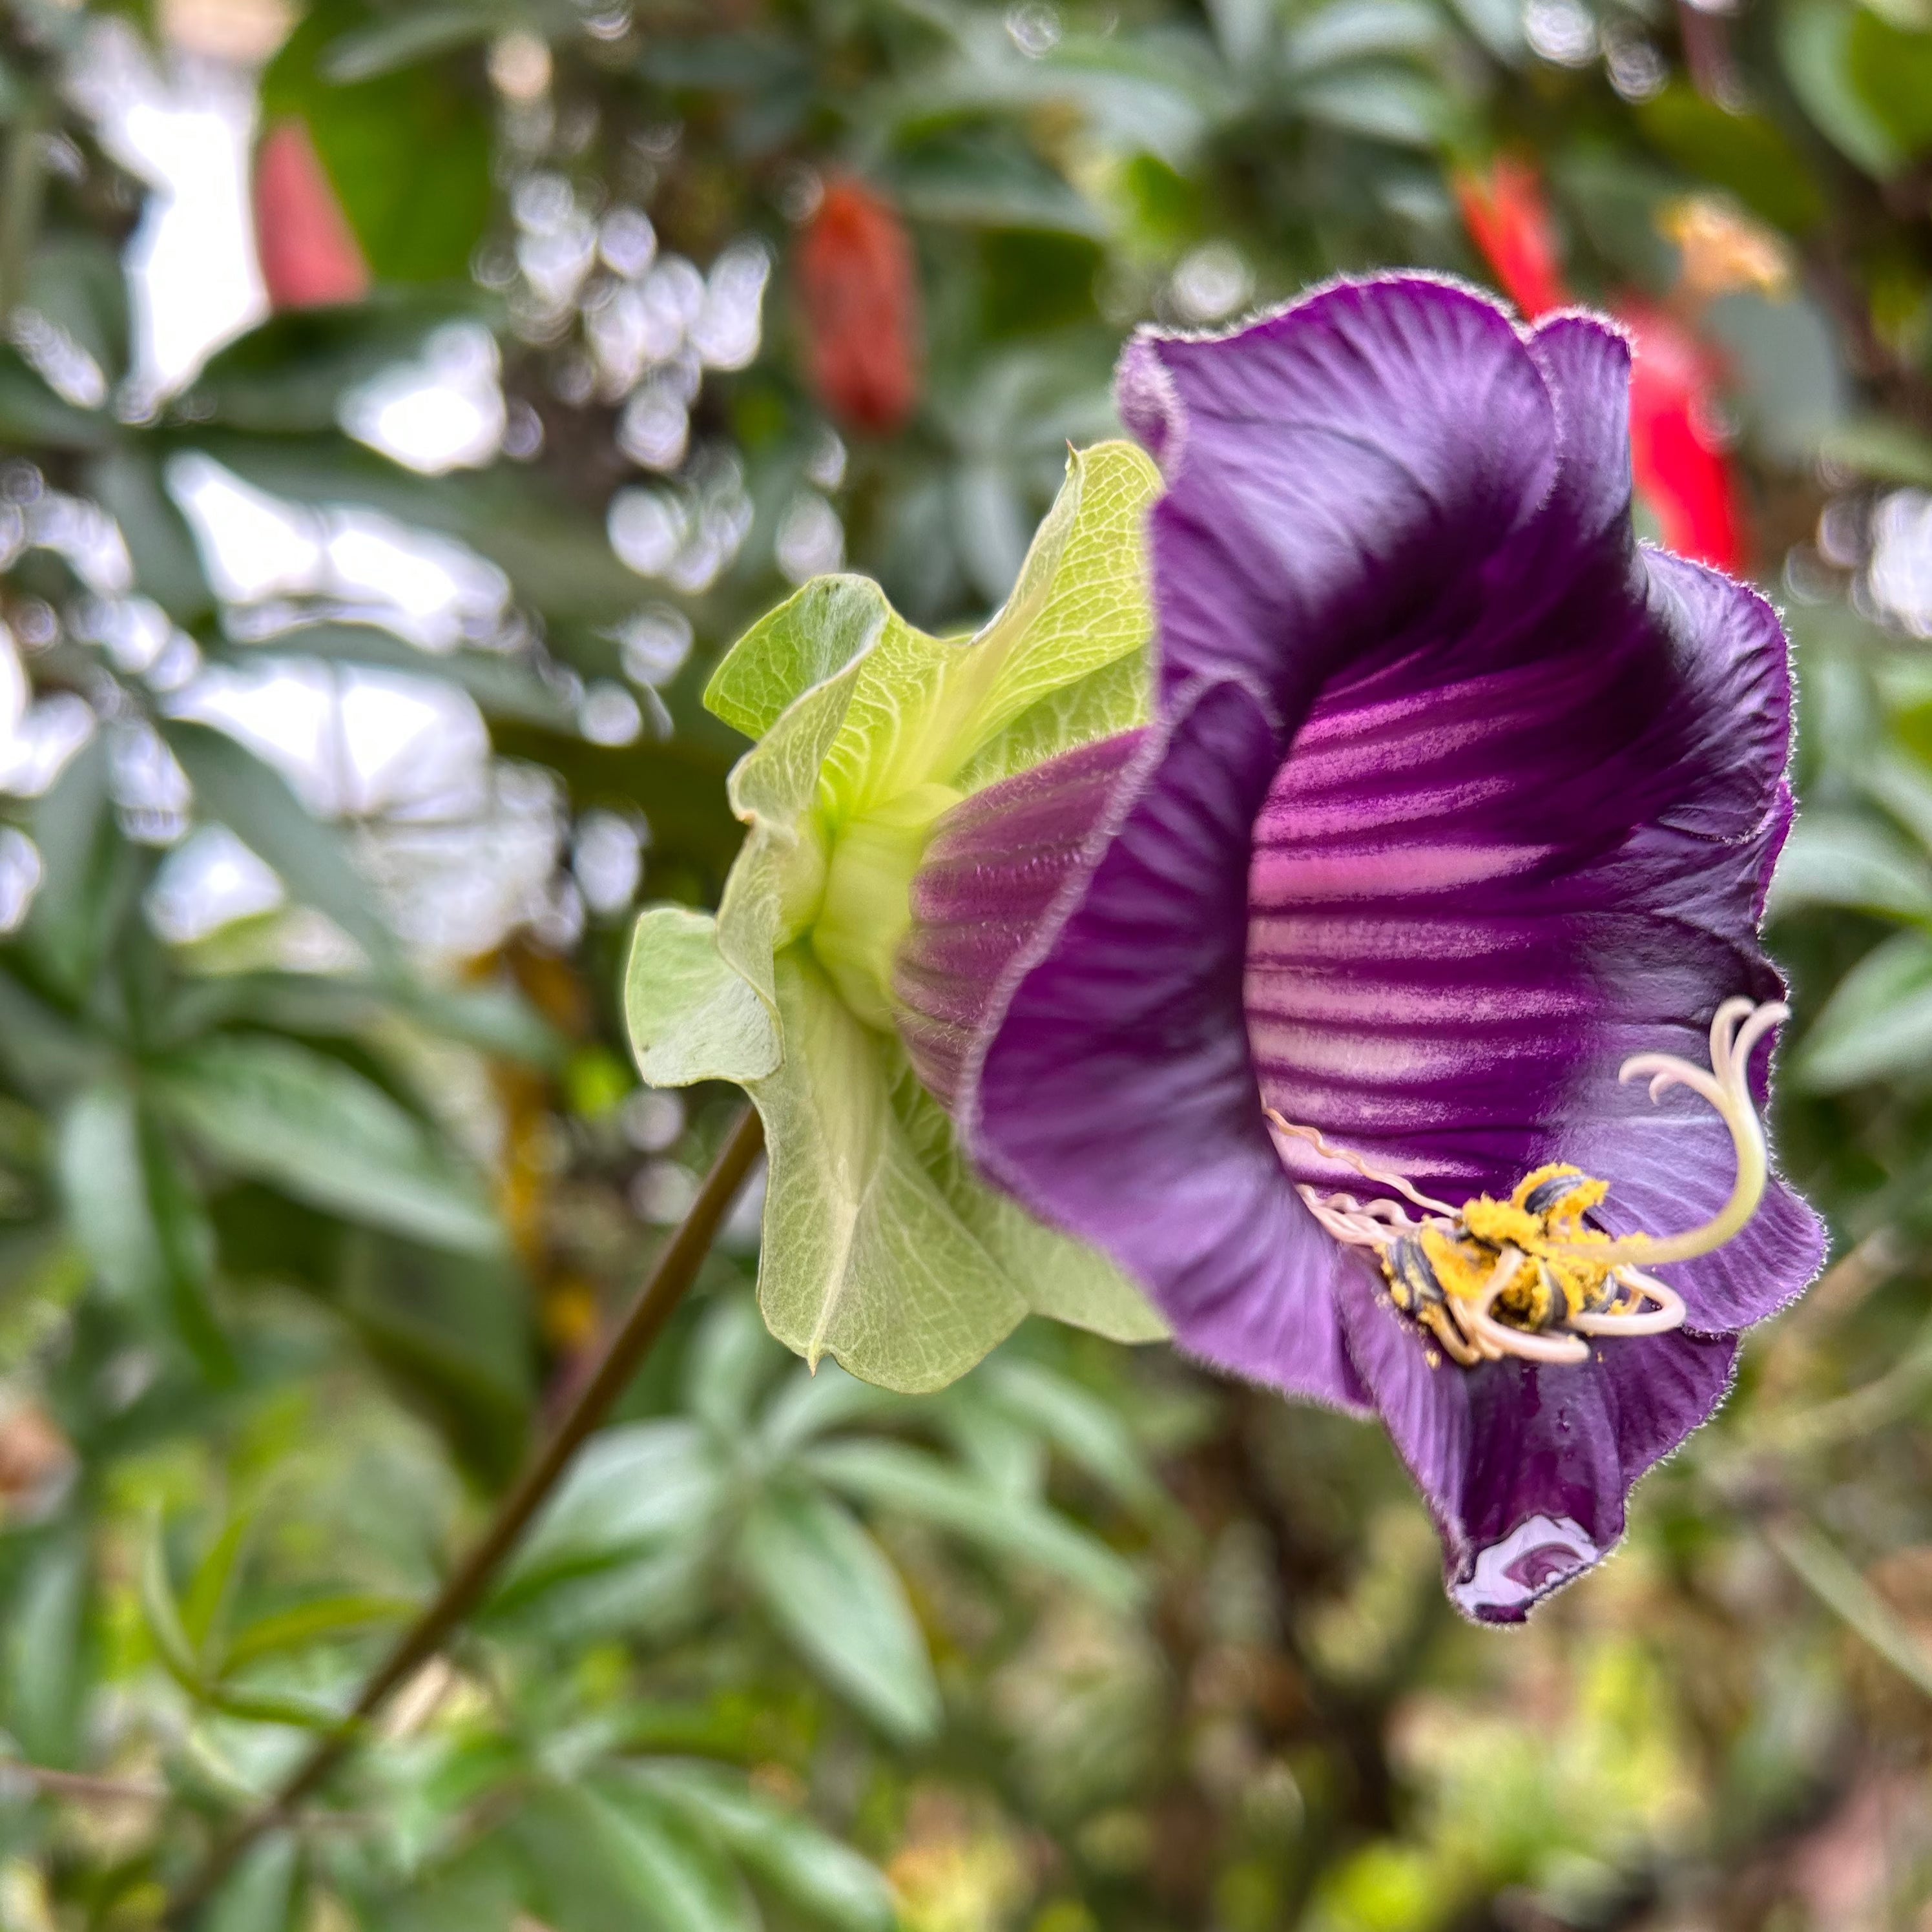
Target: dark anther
<point x="1412" y="1280"/>
<point x="1558" y="1188"/>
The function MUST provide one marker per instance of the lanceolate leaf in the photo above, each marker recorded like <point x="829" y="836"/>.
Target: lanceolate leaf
<point x="318" y="1129"/>
<point x="807" y="1866"/>
<point x="829" y="1588"/>
<point x="138" y="1219"/>
<point x="676" y="1870"/>
<point x="254" y="801"/>
<point x="89" y="881"/>
<point x="892" y="1477"/>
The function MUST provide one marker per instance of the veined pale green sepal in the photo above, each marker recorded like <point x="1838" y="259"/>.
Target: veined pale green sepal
<point x="690" y="1016"/>
<point x="881" y="1248"/>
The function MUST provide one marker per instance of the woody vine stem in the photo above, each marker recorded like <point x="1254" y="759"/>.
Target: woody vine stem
<point x="675" y="1269"/>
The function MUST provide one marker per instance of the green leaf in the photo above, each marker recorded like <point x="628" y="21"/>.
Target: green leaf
<point x="1786" y="364"/>
<point x="1743" y="152"/>
<point x="212" y="1588"/>
<point x="48" y="1686"/>
<point x="404" y="38"/>
<point x="255" y="802"/>
<point x="558" y="557"/>
<point x="828" y="1587"/>
<point x="606" y="1858"/>
<point x="1090" y="1433"/>
<point x="408" y="151"/>
<point x="306" y="1624"/>
<point x="495" y="1019"/>
<point x="630" y="1488"/>
<point x="126" y="482"/>
<point x="41" y="1049"/>
<point x="731" y="1360"/>
<point x="502" y="686"/>
<point x="162" y="1614"/>
<point x="986" y="183"/>
<point x="292" y="371"/>
<point x="1386" y="103"/>
<point x="187" y="1252"/>
<point x="261" y="1894"/>
<point x="1814" y="47"/>
<point x="320" y="1131"/>
<point x="1877" y="1025"/>
<point x="810" y="1402"/>
<point x="676" y="1874"/>
<point x="889" y="1476"/>
<point x="138" y="1218"/>
<point x="807" y="1867"/>
<point x="1836" y="1582"/>
<point x="476" y="1891"/>
<point x="1837" y="858"/>
<point x="1882" y="447"/>
<point x="76" y="282"/>
<point x="1892" y="70"/>
<point x="105" y="1189"/>
<point x="176" y="1645"/>
<point x="87" y="881"/>
<point x="291" y="1710"/>
<point x="453" y="1330"/>
<point x="31" y="415"/>
<point x="1346" y="30"/>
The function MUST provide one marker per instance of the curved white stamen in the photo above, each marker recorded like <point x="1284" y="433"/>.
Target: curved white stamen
<point x="1559" y="1349"/>
<point x="1436" y="1318"/>
<point x="1734" y="1033"/>
<point x="1497" y="1339"/>
<point x="1666" y="1314"/>
<point x="1346" y="1223"/>
<point x="1313" y="1135"/>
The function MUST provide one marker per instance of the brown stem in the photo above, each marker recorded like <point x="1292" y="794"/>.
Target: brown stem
<point x="83" y="1787"/>
<point x="675" y="1269"/>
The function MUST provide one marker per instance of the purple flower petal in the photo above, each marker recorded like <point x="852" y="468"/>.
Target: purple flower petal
<point x="1526" y="1468"/>
<point x="1332" y="471"/>
<point x="987" y="886"/>
<point x="1488" y="874"/>
<point x="1117" y="1097"/>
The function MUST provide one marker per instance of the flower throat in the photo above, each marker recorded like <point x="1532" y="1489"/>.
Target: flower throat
<point x="1533" y="1276"/>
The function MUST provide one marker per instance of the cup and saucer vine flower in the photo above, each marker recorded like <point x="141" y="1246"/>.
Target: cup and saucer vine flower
<point x="1299" y="987"/>
<point x="881" y="1247"/>
<point x="1307" y="1002"/>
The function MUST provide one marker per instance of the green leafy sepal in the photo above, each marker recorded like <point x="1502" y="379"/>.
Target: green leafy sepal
<point x="881" y="1248"/>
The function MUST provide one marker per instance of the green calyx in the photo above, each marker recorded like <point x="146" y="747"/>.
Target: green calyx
<point x="881" y="1247"/>
<point x="868" y="902"/>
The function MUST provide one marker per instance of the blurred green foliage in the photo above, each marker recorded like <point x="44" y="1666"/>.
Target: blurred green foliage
<point x="307" y="1222"/>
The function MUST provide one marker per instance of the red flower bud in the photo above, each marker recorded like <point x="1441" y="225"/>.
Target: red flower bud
<point x="1680" y="465"/>
<point x="1509" y="221"/>
<point x="308" y="252"/>
<point x="858" y="296"/>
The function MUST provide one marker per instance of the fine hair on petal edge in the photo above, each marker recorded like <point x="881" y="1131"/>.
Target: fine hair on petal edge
<point x="1458" y="1544"/>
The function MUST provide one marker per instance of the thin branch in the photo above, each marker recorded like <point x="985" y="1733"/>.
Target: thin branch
<point x="676" y="1268"/>
<point x="83" y="1787"/>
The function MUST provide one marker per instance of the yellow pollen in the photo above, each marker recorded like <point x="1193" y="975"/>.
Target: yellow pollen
<point x="1531" y="1276"/>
